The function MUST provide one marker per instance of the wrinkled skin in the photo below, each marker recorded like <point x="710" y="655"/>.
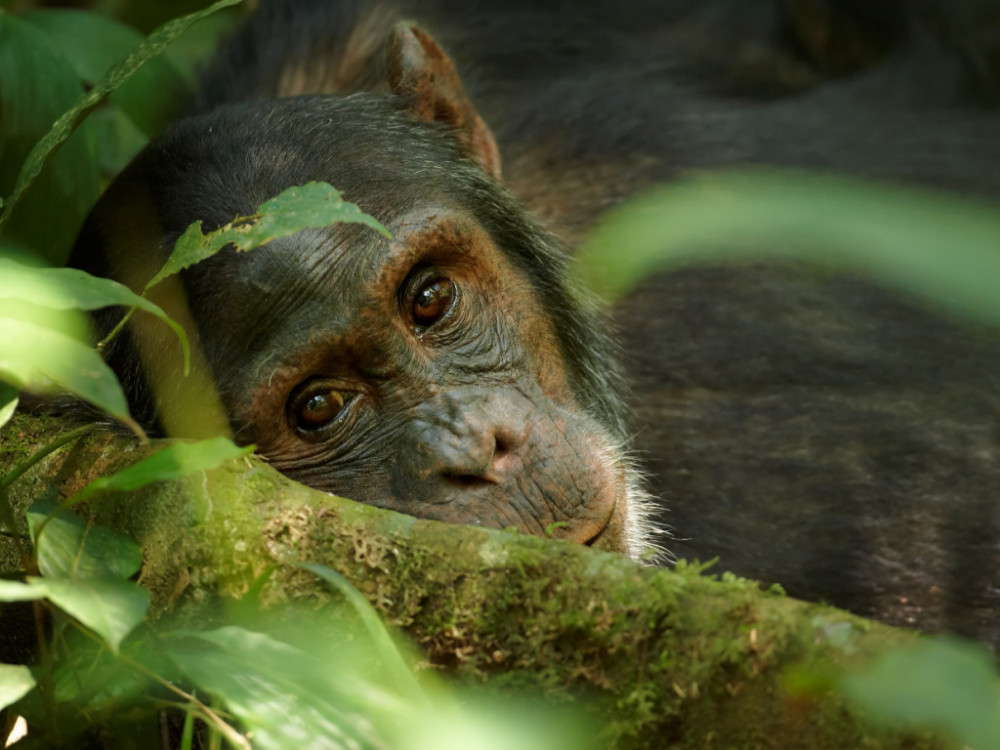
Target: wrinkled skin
<point x="469" y="420"/>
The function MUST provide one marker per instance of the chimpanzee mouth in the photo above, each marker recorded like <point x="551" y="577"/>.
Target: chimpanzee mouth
<point x="610" y="534"/>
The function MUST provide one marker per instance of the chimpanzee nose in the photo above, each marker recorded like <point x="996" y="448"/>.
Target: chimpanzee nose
<point x="483" y="456"/>
<point x="471" y="438"/>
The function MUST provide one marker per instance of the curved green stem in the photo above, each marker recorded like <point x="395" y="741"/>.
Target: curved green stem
<point x="41" y="453"/>
<point x="6" y="511"/>
<point x="116" y="330"/>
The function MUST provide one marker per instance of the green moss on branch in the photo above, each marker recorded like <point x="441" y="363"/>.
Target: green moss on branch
<point x="676" y="659"/>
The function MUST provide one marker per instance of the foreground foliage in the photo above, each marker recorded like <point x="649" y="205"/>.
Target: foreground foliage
<point x="661" y="658"/>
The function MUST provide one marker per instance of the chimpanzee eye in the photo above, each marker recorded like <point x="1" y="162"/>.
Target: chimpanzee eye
<point x="433" y="301"/>
<point x="316" y="406"/>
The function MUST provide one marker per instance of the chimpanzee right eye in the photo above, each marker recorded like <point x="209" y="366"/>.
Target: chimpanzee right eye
<point x="318" y="405"/>
<point x="433" y="301"/>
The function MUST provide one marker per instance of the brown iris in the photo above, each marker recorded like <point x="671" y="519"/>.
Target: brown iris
<point x="317" y="408"/>
<point x="432" y="301"/>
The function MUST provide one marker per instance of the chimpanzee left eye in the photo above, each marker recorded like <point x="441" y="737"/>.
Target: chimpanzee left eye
<point x="432" y="300"/>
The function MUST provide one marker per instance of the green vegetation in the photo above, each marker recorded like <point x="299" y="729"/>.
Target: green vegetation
<point x="103" y="668"/>
<point x="936" y="247"/>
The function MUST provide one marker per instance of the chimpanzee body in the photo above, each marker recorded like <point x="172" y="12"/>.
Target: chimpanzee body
<point x="817" y="432"/>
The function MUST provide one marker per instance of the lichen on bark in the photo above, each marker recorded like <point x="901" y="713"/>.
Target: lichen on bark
<point x="672" y="657"/>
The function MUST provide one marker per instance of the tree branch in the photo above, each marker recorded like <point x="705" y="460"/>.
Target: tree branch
<point x="675" y="658"/>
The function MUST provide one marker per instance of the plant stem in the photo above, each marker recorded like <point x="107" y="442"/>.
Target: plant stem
<point x="6" y="511"/>
<point x="41" y="453"/>
<point x="116" y="330"/>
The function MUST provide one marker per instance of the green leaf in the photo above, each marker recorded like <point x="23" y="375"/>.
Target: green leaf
<point x="8" y="403"/>
<point x="72" y="548"/>
<point x="118" y="140"/>
<point x="315" y="205"/>
<point x="15" y="682"/>
<point x="70" y="288"/>
<point x="936" y="683"/>
<point x="110" y="608"/>
<point x="280" y="693"/>
<point x="43" y="360"/>
<point x="149" y="97"/>
<point x="171" y="462"/>
<point x="402" y="677"/>
<point x="154" y="44"/>
<point x="940" y="248"/>
<point x="191" y="52"/>
<point x="38" y="86"/>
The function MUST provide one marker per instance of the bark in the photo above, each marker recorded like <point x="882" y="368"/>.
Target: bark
<point x="675" y="659"/>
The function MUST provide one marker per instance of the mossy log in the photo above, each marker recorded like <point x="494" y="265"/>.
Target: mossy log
<point x="678" y="659"/>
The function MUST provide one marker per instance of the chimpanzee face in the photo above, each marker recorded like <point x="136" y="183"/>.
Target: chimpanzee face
<point x="448" y="372"/>
<point x="419" y="374"/>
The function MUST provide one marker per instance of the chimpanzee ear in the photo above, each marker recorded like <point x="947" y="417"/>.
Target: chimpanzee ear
<point x="424" y="76"/>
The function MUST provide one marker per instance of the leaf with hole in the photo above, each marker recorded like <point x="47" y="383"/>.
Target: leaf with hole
<point x="313" y="205"/>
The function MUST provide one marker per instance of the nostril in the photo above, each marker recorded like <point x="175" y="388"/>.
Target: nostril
<point x="487" y="456"/>
<point x="505" y="455"/>
<point x="501" y="447"/>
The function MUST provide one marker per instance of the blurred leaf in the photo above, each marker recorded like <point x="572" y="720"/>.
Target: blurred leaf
<point x="149" y="97"/>
<point x="505" y="724"/>
<point x="38" y="86"/>
<point x="192" y="49"/>
<point x="401" y="675"/>
<point x="43" y="360"/>
<point x="8" y="403"/>
<point x="172" y="462"/>
<point x="111" y="608"/>
<point x="935" y="683"/>
<point x="280" y="693"/>
<point x="15" y="683"/>
<point x="76" y="549"/>
<point x="943" y="249"/>
<point x="118" y="140"/>
<point x="154" y="44"/>
<point x="69" y="288"/>
<point x="12" y="591"/>
<point x="315" y="204"/>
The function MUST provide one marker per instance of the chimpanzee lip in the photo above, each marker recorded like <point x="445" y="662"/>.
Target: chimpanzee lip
<point x="610" y="535"/>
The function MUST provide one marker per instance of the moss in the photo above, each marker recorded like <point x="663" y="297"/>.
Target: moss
<point x="668" y="658"/>
<point x="24" y="435"/>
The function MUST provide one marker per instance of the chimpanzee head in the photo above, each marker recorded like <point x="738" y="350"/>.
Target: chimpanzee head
<point x="449" y="372"/>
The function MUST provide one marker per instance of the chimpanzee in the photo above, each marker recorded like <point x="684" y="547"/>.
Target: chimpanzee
<point x="815" y="431"/>
<point x="450" y="373"/>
